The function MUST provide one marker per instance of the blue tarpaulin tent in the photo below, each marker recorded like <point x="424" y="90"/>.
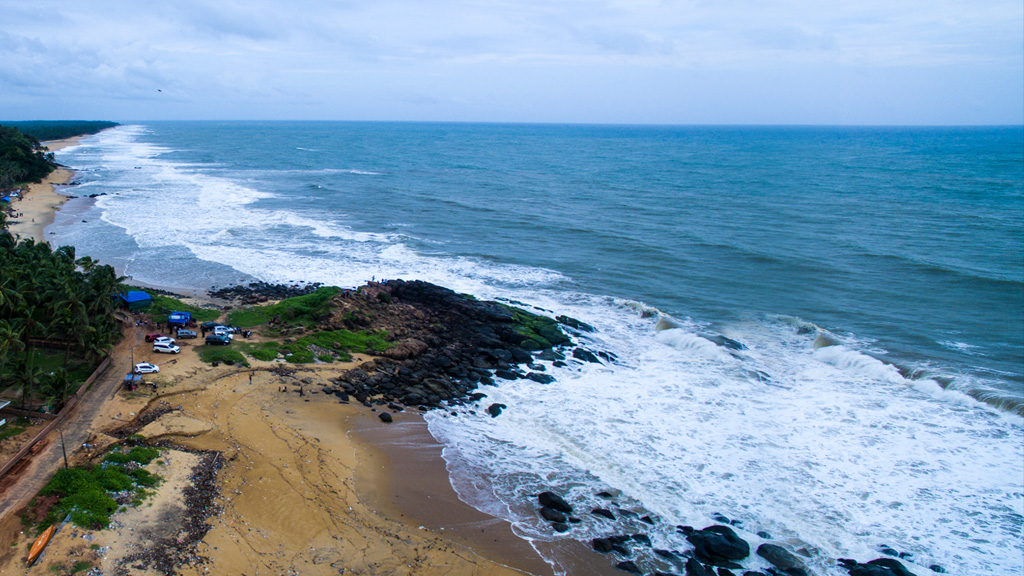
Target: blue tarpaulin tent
<point x="137" y="300"/>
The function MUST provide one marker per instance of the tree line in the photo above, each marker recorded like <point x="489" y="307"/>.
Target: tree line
<point x="56" y="318"/>
<point x="22" y="158"/>
<point x="59" y="129"/>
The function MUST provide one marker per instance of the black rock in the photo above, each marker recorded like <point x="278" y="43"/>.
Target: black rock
<point x="897" y="568"/>
<point x="720" y="518"/>
<point x="495" y="409"/>
<point x="870" y="570"/>
<point x="665" y="553"/>
<point x="602" y="545"/>
<point x="476" y="396"/>
<point x="385" y="417"/>
<point x="846" y="562"/>
<point x="606" y="495"/>
<point x="695" y="568"/>
<point x="560" y="527"/>
<point x="554" y="501"/>
<point x="541" y="378"/>
<point x="552" y="515"/>
<point x="574" y="520"/>
<point x="888" y="551"/>
<point x="628" y="566"/>
<point x="937" y="569"/>
<point x="647" y="520"/>
<point x="782" y="559"/>
<point x="506" y="374"/>
<point x="643" y="539"/>
<point x="718" y="545"/>
<point x="604" y="512"/>
<point x="585" y="355"/>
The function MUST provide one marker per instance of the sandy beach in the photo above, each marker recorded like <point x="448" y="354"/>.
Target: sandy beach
<point x="37" y="206"/>
<point x="307" y="487"/>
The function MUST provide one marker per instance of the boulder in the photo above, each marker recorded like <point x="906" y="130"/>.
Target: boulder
<point x="495" y="409"/>
<point x="552" y="515"/>
<point x="585" y="355"/>
<point x="602" y="545"/>
<point x="541" y="378"/>
<point x="695" y="568"/>
<point x="385" y="417"/>
<point x="892" y="564"/>
<point x="603" y="512"/>
<point x="554" y="501"/>
<point x="628" y="566"/>
<point x="782" y="559"/>
<point x="718" y="545"/>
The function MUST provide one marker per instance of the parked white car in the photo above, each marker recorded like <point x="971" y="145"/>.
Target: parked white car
<point x="223" y="331"/>
<point x="166" y="348"/>
<point x="146" y="368"/>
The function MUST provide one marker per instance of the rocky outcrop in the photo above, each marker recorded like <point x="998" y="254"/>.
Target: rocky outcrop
<point x="446" y="344"/>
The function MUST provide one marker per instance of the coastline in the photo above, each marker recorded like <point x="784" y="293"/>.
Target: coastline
<point x="37" y="207"/>
<point x="383" y="502"/>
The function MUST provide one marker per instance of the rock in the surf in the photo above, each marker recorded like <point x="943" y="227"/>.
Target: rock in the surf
<point x="782" y="559"/>
<point x="552" y="515"/>
<point x="718" y="545"/>
<point x="554" y="501"/>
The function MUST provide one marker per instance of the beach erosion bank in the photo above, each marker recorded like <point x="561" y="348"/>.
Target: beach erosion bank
<point x="308" y="485"/>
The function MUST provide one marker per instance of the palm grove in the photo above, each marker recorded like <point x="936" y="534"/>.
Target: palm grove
<point x="56" y="311"/>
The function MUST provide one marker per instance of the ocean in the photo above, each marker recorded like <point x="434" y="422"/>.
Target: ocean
<point x="819" y="331"/>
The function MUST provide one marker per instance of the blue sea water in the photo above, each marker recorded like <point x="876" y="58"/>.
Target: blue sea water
<point x="875" y="277"/>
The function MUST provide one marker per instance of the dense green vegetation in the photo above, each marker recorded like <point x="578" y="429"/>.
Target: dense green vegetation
<point x="305" y="310"/>
<point x="59" y="129"/>
<point x="87" y="492"/>
<point x="56" y="320"/>
<point x="22" y="159"/>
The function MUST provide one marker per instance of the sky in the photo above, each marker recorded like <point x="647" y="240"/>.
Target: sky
<point x="871" y="62"/>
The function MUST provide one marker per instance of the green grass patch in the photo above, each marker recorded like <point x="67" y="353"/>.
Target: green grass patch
<point x="81" y="566"/>
<point x="10" y="431"/>
<point x="304" y="310"/>
<point x="325" y="346"/>
<point x="222" y="354"/>
<point x="85" y="492"/>
<point x="141" y="454"/>
<point x="163" y="305"/>
<point x="265" y="351"/>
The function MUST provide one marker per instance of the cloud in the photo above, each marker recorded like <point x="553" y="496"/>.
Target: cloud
<point x="416" y="56"/>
